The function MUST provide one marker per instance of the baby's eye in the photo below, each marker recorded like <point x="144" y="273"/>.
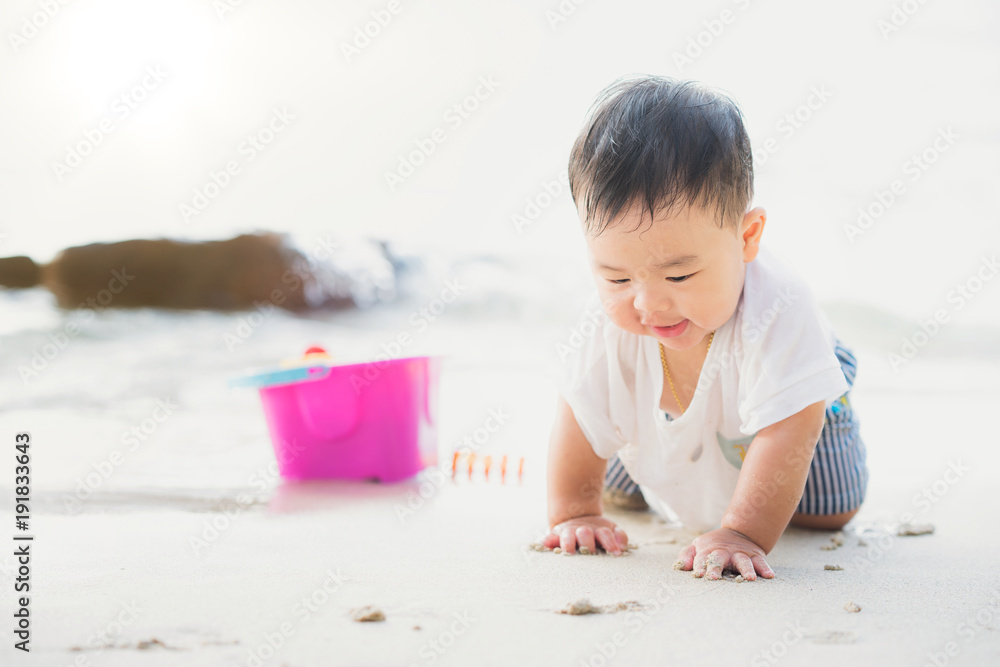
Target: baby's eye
<point x="621" y="281"/>
<point x="680" y="279"/>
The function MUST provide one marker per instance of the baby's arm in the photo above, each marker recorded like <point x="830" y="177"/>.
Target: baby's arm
<point x="769" y="488"/>
<point x="575" y="483"/>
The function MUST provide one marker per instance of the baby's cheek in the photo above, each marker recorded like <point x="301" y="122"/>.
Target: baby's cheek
<point x="610" y="299"/>
<point x="711" y="307"/>
<point x="620" y="309"/>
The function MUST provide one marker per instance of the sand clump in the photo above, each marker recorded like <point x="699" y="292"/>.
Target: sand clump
<point x="143" y="645"/>
<point x="910" y="529"/>
<point x="714" y="560"/>
<point x="836" y="542"/>
<point x="367" y="614"/>
<point x="851" y="607"/>
<point x="727" y="574"/>
<point x="733" y="575"/>
<point x="583" y="606"/>
<point x="834" y="568"/>
<point x="583" y="551"/>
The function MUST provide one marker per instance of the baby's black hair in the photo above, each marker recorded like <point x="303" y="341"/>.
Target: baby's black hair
<point x="661" y="143"/>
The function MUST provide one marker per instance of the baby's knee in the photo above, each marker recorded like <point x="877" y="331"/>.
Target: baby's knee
<point x="823" y="521"/>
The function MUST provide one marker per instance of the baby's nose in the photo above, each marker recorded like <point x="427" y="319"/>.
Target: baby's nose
<point x="648" y="303"/>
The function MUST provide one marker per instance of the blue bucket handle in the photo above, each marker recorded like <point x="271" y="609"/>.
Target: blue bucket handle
<point x="284" y="376"/>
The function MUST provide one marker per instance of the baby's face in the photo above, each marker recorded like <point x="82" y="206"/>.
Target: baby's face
<point x="676" y="281"/>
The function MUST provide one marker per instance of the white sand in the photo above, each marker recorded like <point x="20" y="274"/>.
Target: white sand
<point x="459" y="567"/>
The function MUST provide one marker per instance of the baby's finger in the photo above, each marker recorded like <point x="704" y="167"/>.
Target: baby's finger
<point x="608" y="541"/>
<point x="716" y="561"/>
<point x="585" y="538"/>
<point x="567" y="540"/>
<point x="699" y="563"/>
<point x="763" y="569"/>
<point x="621" y="537"/>
<point x="744" y="566"/>
<point x="551" y="541"/>
<point x="685" y="559"/>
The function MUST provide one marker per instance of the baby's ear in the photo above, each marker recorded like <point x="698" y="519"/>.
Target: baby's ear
<point x="751" y="230"/>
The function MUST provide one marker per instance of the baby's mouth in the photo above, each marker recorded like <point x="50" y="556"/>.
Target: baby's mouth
<point x="672" y="330"/>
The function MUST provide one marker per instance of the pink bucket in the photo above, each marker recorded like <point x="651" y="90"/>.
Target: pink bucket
<point x="373" y="420"/>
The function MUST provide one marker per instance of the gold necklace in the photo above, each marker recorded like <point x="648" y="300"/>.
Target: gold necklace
<point x="663" y="360"/>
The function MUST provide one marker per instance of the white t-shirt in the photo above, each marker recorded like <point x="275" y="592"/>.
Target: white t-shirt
<point x="771" y="359"/>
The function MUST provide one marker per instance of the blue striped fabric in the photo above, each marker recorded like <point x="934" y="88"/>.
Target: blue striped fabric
<point x="617" y="478"/>
<point x="838" y="476"/>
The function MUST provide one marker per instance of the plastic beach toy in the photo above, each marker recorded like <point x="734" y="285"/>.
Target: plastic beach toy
<point x="350" y="421"/>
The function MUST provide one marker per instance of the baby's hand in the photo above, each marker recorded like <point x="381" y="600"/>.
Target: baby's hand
<point x="712" y="552"/>
<point x="582" y="531"/>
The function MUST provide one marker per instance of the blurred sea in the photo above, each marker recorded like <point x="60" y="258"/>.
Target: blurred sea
<point x="521" y="290"/>
<point x="477" y="311"/>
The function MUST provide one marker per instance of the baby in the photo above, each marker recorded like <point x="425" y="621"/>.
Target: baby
<point x="711" y="380"/>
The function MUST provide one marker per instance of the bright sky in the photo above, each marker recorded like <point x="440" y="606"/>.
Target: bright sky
<point x="118" y="114"/>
